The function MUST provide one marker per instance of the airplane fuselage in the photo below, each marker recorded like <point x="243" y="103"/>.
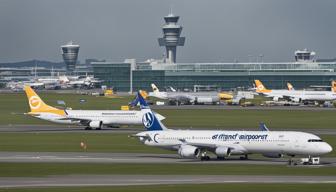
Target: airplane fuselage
<point x="241" y="142"/>
<point x="303" y="95"/>
<point x="107" y="117"/>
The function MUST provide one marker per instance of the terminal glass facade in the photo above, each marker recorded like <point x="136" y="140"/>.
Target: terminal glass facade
<point x="225" y="76"/>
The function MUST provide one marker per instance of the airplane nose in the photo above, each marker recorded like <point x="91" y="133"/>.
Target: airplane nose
<point x="327" y="148"/>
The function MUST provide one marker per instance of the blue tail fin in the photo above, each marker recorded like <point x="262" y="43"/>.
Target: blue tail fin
<point x="134" y="102"/>
<point x="149" y="120"/>
<point x="263" y="127"/>
<point x="139" y="99"/>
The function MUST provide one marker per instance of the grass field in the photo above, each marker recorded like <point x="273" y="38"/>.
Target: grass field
<point x="96" y="142"/>
<point x="45" y="169"/>
<point x="70" y="142"/>
<point x="15" y="104"/>
<point x="195" y="188"/>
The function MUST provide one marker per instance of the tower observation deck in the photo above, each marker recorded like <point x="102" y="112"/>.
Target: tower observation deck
<point x="171" y="37"/>
<point x="70" y="55"/>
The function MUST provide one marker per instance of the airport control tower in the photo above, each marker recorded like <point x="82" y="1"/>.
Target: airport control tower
<point x="171" y="37"/>
<point x="70" y="54"/>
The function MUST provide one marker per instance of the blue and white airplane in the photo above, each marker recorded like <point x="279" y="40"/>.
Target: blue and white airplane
<point x="195" y="144"/>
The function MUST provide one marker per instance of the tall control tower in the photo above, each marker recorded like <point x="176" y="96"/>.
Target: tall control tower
<point x="70" y="55"/>
<point x="171" y="37"/>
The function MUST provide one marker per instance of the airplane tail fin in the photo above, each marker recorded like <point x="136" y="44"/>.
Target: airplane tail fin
<point x="150" y="119"/>
<point x="36" y="104"/>
<point x="259" y="86"/>
<point x="154" y="87"/>
<point x="172" y="89"/>
<point x="333" y="86"/>
<point x="290" y="86"/>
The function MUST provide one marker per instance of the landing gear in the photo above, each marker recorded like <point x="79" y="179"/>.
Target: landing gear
<point x="204" y="157"/>
<point x="244" y="158"/>
<point x="220" y="158"/>
<point x="88" y="128"/>
<point x="99" y="128"/>
<point x="290" y="161"/>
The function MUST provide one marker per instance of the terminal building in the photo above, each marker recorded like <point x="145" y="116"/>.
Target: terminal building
<point x="305" y="70"/>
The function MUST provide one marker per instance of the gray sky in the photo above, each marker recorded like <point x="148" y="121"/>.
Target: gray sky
<point x="215" y="30"/>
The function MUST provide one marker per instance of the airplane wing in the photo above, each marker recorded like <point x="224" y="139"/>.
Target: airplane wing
<point x="235" y="146"/>
<point x="82" y="121"/>
<point x="292" y="98"/>
<point x="182" y="97"/>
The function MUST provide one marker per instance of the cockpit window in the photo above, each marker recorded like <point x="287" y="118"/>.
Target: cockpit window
<point x="315" y="140"/>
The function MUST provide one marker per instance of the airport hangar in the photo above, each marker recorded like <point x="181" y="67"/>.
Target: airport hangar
<point x="131" y="76"/>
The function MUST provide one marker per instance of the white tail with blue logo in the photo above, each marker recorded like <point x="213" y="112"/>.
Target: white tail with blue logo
<point x="149" y="119"/>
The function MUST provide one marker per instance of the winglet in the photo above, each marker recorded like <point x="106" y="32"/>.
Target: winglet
<point x="262" y="127"/>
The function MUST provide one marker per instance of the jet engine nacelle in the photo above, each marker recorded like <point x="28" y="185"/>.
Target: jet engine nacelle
<point x="206" y="100"/>
<point x="188" y="151"/>
<point x="223" y="151"/>
<point x="272" y="155"/>
<point x="96" y="124"/>
<point x="275" y="98"/>
<point x="296" y="99"/>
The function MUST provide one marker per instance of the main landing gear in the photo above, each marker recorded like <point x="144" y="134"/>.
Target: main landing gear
<point x="244" y="158"/>
<point x="204" y="156"/>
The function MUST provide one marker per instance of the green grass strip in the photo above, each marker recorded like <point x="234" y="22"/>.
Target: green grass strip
<point x="45" y="169"/>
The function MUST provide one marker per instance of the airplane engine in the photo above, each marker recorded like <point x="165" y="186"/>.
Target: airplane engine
<point x="188" y="151"/>
<point x="297" y="100"/>
<point x="272" y="155"/>
<point x="223" y="151"/>
<point x="96" y="124"/>
<point x="275" y="98"/>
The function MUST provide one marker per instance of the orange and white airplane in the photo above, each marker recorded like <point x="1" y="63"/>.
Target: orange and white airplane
<point x="290" y="86"/>
<point x="297" y="95"/>
<point x="89" y="118"/>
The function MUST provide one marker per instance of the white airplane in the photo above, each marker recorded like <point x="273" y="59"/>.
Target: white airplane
<point x="297" y="95"/>
<point x="185" y="97"/>
<point x="89" y="118"/>
<point x="194" y="144"/>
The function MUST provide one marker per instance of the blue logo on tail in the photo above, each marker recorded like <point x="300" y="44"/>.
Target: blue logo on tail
<point x="151" y="122"/>
<point x="148" y="119"/>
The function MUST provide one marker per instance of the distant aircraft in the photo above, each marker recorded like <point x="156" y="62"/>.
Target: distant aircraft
<point x="195" y="144"/>
<point x="185" y="97"/>
<point x="290" y="86"/>
<point x="297" y="95"/>
<point x="89" y="118"/>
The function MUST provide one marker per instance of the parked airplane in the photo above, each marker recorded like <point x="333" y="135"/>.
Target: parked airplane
<point x="185" y="97"/>
<point x="194" y="144"/>
<point x="290" y="86"/>
<point x="297" y="95"/>
<point x="89" y="118"/>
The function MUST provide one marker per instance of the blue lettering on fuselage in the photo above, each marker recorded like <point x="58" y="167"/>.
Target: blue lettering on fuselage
<point x="236" y="136"/>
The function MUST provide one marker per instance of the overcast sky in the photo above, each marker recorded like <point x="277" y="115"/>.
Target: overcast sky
<point x="215" y="30"/>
